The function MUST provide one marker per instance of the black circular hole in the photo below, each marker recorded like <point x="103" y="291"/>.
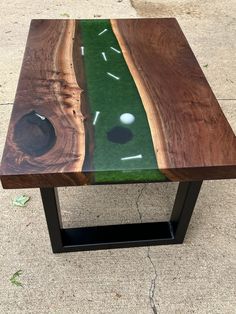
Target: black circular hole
<point x="120" y="135"/>
<point x="34" y="134"/>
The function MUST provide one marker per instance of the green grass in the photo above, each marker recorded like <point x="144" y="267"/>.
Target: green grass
<point x="15" y="279"/>
<point x="112" y="98"/>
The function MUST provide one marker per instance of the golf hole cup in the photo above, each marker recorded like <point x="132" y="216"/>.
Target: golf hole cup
<point x="127" y="118"/>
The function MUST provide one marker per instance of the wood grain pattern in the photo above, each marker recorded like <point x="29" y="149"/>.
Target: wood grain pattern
<point x="51" y="137"/>
<point x="47" y="91"/>
<point x="191" y="136"/>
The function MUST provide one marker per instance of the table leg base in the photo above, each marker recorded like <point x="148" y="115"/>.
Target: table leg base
<point x="116" y="236"/>
<point x="125" y="235"/>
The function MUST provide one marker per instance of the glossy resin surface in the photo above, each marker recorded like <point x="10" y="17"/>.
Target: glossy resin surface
<point x="123" y="148"/>
<point x="113" y="101"/>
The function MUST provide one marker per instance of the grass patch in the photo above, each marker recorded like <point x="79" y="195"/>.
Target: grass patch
<point x="15" y="279"/>
<point x="113" y="97"/>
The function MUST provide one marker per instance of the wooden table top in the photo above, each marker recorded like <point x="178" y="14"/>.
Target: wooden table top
<point x="109" y="101"/>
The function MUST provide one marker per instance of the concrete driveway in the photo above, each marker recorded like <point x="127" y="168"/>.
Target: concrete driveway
<point x="196" y="277"/>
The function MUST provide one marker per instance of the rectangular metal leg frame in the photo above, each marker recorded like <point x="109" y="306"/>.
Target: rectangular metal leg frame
<point x="125" y="235"/>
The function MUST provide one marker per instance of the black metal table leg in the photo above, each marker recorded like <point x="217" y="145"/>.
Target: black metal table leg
<point x="185" y="201"/>
<point x="125" y="235"/>
<point x="53" y="217"/>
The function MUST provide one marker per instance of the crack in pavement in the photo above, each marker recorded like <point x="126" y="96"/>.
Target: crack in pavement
<point x="153" y="285"/>
<point x="137" y="201"/>
<point x="153" y="280"/>
<point x="6" y="104"/>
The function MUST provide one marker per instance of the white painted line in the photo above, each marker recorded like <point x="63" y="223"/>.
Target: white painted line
<point x="118" y="51"/>
<point x="112" y="75"/>
<point x="41" y="117"/>
<point x="132" y="157"/>
<point x="82" y="50"/>
<point x="102" y="32"/>
<point x="96" y="117"/>
<point x="104" y="56"/>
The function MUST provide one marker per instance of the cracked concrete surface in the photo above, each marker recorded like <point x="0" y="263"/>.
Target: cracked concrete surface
<point x="137" y="201"/>
<point x="152" y="289"/>
<point x="196" y="277"/>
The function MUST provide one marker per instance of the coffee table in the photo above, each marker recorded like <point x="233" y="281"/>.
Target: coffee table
<point x="112" y="102"/>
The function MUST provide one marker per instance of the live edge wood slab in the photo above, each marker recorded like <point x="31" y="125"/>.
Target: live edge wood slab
<point x="79" y="76"/>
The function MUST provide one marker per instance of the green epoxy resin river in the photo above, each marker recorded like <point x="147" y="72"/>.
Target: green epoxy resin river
<point x="112" y="92"/>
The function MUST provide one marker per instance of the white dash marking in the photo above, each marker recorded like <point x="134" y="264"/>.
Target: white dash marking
<point x="118" y="51"/>
<point x="82" y="50"/>
<point x="102" y="32"/>
<point x="104" y="56"/>
<point x="41" y="117"/>
<point x="132" y="157"/>
<point x="112" y="75"/>
<point x="96" y="117"/>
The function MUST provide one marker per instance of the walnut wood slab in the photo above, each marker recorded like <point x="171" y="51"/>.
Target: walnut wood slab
<point x="51" y="136"/>
<point x="47" y="91"/>
<point x="191" y="136"/>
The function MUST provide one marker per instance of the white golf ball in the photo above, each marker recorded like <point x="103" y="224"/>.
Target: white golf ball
<point x="127" y="118"/>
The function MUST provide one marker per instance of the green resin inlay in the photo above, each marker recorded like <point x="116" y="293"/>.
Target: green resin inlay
<point x="113" y="97"/>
